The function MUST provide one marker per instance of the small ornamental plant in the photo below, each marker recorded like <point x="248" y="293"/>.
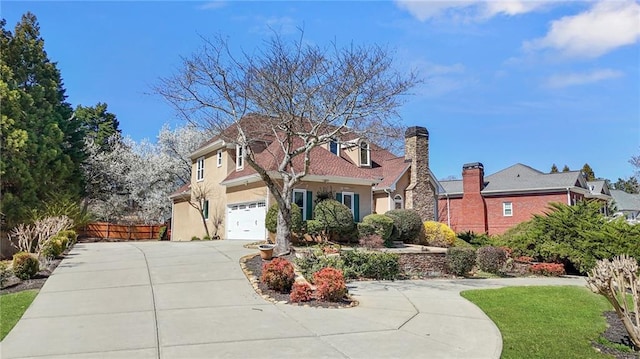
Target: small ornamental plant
<point x="25" y="265"/>
<point x="330" y="285"/>
<point x="301" y="292"/>
<point x="548" y="269"/>
<point x="278" y="275"/>
<point x="491" y="259"/>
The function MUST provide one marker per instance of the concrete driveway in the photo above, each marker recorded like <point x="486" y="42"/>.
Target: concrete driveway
<point x="191" y="300"/>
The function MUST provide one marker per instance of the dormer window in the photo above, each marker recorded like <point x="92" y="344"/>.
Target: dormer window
<point x="239" y="157"/>
<point x="365" y="154"/>
<point x="334" y="147"/>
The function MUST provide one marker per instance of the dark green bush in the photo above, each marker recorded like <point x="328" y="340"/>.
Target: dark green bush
<point x="491" y="259"/>
<point x="475" y="239"/>
<point x="336" y="220"/>
<point x="372" y="265"/>
<point x="377" y="224"/>
<point x="576" y="235"/>
<point x="271" y="221"/>
<point x="70" y="234"/>
<point x="407" y="225"/>
<point x="312" y="262"/>
<point x="195" y="238"/>
<point x="162" y="232"/>
<point x="25" y="265"/>
<point x="461" y="260"/>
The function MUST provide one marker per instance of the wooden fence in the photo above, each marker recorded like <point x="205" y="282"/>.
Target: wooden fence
<point x="134" y="232"/>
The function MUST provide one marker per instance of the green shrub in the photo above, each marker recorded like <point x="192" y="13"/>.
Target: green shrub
<point x="53" y="247"/>
<point x="206" y="238"/>
<point x="311" y="262"/>
<point x="407" y="225"/>
<point x="438" y="234"/>
<point x="195" y="238"/>
<point x="25" y="265"/>
<point x="5" y="272"/>
<point x="377" y="224"/>
<point x="372" y="265"/>
<point x="475" y="239"/>
<point x="330" y="285"/>
<point x="314" y="227"/>
<point x="336" y="220"/>
<point x="278" y="275"/>
<point x="71" y="235"/>
<point x="491" y="259"/>
<point x="461" y="260"/>
<point x="461" y="244"/>
<point x="271" y="220"/>
<point x="162" y="233"/>
<point x="371" y="241"/>
<point x="577" y="235"/>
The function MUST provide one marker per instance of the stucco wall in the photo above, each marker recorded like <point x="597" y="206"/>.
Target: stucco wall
<point x="364" y="192"/>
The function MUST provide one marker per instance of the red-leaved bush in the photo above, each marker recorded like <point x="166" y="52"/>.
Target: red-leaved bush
<point x="278" y="275"/>
<point x="548" y="269"/>
<point x="301" y="292"/>
<point x="330" y="284"/>
<point x="524" y="259"/>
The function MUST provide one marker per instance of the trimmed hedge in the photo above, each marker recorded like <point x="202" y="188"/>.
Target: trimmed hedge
<point x="377" y="224"/>
<point x="25" y="265"/>
<point x="335" y="219"/>
<point x="271" y="220"/>
<point x="491" y="259"/>
<point x="461" y="260"/>
<point x="439" y="234"/>
<point x="407" y="225"/>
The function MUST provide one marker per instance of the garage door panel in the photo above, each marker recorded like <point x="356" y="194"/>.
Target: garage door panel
<point x="245" y="221"/>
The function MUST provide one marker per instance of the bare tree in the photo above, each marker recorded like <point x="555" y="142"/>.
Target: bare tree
<point x="306" y="96"/>
<point x="203" y="198"/>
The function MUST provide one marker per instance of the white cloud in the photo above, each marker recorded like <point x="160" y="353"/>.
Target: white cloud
<point x="441" y="79"/>
<point x="282" y="25"/>
<point x="606" y="26"/>
<point x="469" y="10"/>
<point x="574" y="79"/>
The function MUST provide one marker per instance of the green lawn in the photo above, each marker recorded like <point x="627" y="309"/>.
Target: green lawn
<point x="544" y="322"/>
<point x="12" y="306"/>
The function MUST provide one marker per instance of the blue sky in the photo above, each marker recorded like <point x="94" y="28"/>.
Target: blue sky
<point x="505" y="81"/>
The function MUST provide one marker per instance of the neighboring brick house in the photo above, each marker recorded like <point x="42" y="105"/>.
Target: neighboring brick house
<point x="497" y="202"/>
<point x="362" y="175"/>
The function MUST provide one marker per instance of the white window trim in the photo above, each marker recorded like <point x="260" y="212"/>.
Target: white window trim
<point x="337" y="147"/>
<point x="200" y="169"/>
<point x="353" y="199"/>
<point x="304" y="202"/>
<point x="368" y="163"/>
<point x="401" y="201"/>
<point x="219" y="158"/>
<point x="239" y="157"/>
<point x="507" y="206"/>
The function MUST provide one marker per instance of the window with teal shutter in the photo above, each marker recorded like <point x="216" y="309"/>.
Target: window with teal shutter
<point x="309" y="208"/>
<point x="356" y="207"/>
<point x="205" y="209"/>
<point x="339" y="197"/>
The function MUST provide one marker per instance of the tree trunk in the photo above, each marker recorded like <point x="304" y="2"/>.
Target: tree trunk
<point x="204" y="223"/>
<point x="283" y="229"/>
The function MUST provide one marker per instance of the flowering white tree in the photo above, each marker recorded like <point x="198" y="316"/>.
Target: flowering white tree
<point x="134" y="179"/>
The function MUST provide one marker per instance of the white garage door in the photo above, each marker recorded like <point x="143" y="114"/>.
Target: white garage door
<point x="245" y="221"/>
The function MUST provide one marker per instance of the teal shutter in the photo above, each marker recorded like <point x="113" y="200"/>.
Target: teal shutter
<point x="356" y="207"/>
<point x="339" y="197"/>
<point x="205" y="209"/>
<point x="309" y="205"/>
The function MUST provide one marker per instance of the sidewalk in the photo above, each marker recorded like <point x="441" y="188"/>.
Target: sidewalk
<point x="191" y="300"/>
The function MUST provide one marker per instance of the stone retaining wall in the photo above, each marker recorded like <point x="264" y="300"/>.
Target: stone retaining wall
<point x="424" y="265"/>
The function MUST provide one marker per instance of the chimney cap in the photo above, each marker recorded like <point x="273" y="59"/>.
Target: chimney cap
<point x="416" y="131"/>
<point x="472" y="165"/>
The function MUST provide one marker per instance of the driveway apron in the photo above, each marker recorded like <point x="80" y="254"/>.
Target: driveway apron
<point x="191" y="300"/>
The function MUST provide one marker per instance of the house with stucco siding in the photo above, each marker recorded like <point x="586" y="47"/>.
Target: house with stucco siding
<point x="362" y="175"/>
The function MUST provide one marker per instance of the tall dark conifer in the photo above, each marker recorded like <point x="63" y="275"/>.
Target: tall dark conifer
<point x="53" y="149"/>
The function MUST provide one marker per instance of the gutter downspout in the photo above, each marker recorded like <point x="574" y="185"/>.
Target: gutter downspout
<point x="448" y="210"/>
<point x="568" y="197"/>
<point x="388" y="199"/>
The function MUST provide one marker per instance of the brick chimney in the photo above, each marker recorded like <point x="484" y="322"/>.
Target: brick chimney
<point x="474" y="208"/>
<point x="420" y="195"/>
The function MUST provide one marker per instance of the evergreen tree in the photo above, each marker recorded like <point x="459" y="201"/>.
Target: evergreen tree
<point x="565" y="168"/>
<point x="44" y="142"/>
<point x="98" y="124"/>
<point x="554" y="168"/>
<point x="629" y="185"/>
<point x="588" y="172"/>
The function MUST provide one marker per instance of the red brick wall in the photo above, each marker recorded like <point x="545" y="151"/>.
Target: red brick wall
<point x="473" y="216"/>
<point x="524" y="207"/>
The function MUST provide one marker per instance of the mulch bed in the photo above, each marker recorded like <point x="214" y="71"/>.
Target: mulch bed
<point x="14" y="284"/>
<point x="254" y="265"/>
<point x="616" y="333"/>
